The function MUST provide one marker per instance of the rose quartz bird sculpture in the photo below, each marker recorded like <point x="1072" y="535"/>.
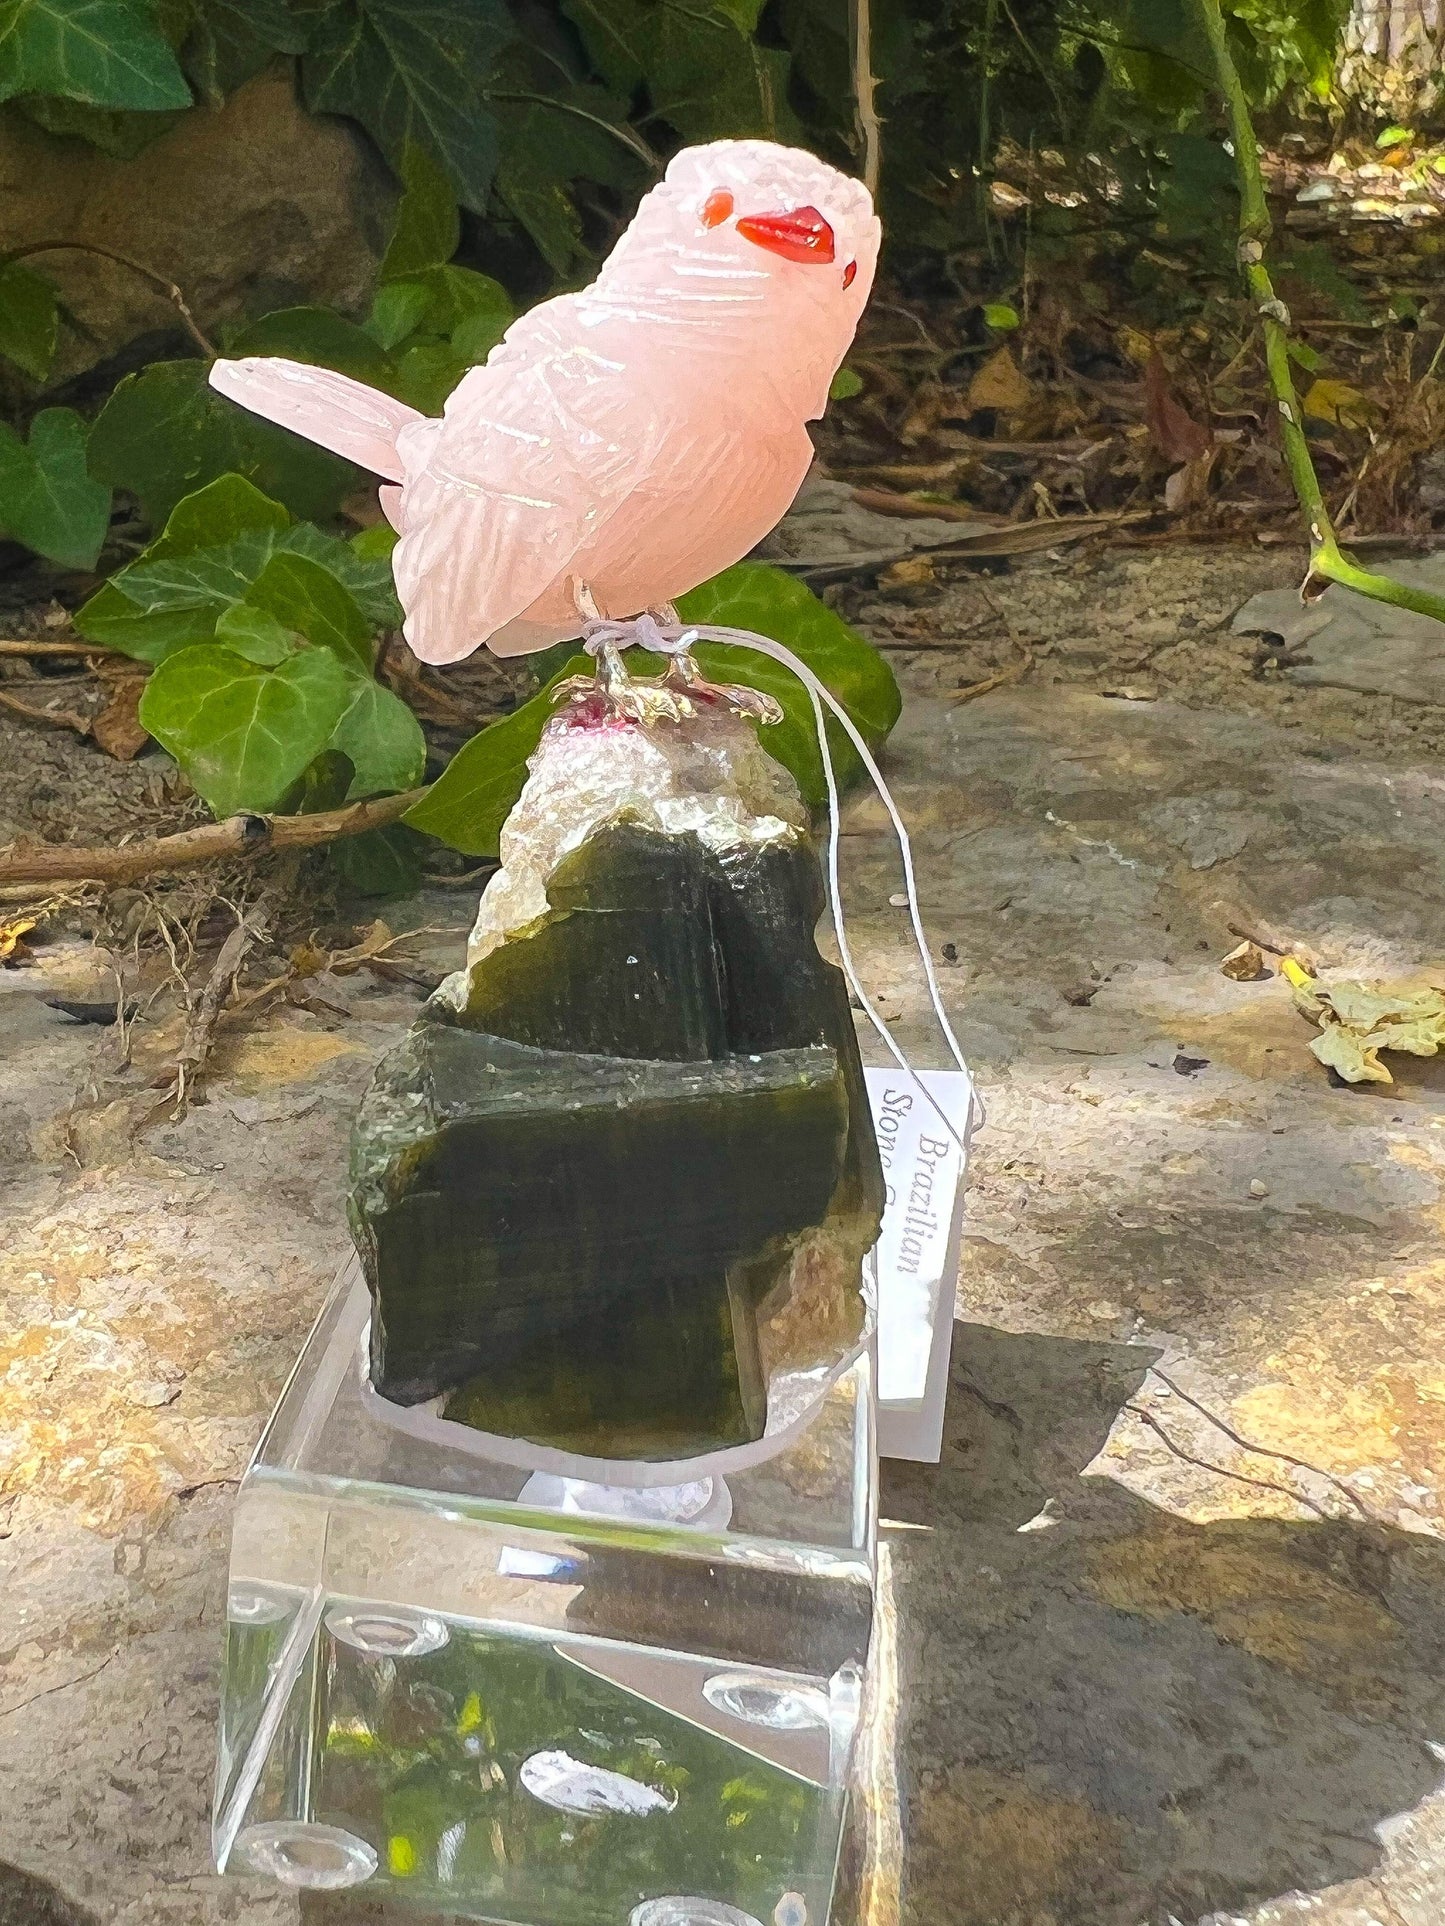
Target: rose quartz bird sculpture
<point x="622" y="444"/>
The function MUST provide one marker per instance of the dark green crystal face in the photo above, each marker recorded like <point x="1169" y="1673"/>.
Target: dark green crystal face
<point x="574" y="1196"/>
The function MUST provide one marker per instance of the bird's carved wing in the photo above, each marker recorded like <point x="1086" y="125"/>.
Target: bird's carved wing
<point x="534" y="454"/>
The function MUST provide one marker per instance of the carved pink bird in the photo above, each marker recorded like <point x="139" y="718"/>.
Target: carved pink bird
<point x="622" y="444"/>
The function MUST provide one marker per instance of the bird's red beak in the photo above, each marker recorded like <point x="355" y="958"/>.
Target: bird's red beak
<point x="801" y="234"/>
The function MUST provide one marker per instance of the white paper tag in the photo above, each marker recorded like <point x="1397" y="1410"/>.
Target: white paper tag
<point x="916" y="1257"/>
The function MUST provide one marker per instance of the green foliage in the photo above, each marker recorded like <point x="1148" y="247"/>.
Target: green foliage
<point x="468" y="803"/>
<point x="165" y="433"/>
<point x="411" y="71"/>
<point x="48" y="499"/>
<point x="428" y="227"/>
<point x="244" y="734"/>
<point x="321" y="337"/>
<point x="706" y="72"/>
<point x="754" y="595"/>
<point x="304" y="595"/>
<point x="261" y="632"/>
<point x="999" y="316"/>
<point x="105" y="53"/>
<point x="225" y="545"/>
<point x="29" y="319"/>
<point x="227" y="41"/>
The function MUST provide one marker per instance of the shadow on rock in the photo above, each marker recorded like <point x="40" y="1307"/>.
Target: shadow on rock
<point x="28" y="1900"/>
<point x="1115" y="1716"/>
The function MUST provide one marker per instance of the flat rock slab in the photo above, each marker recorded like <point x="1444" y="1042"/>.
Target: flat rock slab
<point x="1142" y="1669"/>
<point x="1355" y="643"/>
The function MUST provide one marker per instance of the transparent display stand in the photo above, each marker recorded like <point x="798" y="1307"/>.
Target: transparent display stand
<point x="508" y="1695"/>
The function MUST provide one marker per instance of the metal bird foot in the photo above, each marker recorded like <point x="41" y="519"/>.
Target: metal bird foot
<point x="612" y="695"/>
<point x="686" y="680"/>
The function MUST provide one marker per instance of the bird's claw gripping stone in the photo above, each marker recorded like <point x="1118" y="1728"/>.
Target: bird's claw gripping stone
<point x="640" y="699"/>
<point x="612" y="695"/>
<point x="684" y="676"/>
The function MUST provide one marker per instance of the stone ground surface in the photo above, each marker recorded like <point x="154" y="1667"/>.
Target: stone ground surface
<point x="1170" y="1616"/>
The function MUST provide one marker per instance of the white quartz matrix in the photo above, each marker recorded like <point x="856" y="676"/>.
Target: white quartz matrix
<point x="706" y="776"/>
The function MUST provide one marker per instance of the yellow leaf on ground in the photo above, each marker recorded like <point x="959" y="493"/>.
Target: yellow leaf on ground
<point x="1364" y="1006"/>
<point x="1338" y="402"/>
<point x="12" y="945"/>
<point x="1000" y="385"/>
<point x="1349" y="1054"/>
<point x="1359" y="1020"/>
<point x="1138" y="347"/>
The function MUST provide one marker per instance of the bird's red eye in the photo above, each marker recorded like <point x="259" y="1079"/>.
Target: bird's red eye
<point x="849" y="274"/>
<point x="717" y="207"/>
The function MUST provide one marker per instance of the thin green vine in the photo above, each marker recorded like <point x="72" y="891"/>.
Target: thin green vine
<point x="1328" y="560"/>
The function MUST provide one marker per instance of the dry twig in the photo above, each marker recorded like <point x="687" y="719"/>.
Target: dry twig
<point x="158" y="281"/>
<point x="1014" y="673"/>
<point x="205" y="1010"/>
<point x="1223" y="1471"/>
<point x="61" y="718"/>
<point x="72" y="649"/>
<point x="208" y="843"/>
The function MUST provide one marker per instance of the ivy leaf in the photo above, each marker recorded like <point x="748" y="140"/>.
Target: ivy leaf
<point x="29" y="320"/>
<point x="468" y="803"/>
<point x="217" y="514"/>
<point x="411" y="71"/>
<point x="381" y="862"/>
<point x="48" y="499"/>
<point x="244" y="734"/>
<point x="428" y="227"/>
<point x="556" y="138"/>
<point x="256" y="635"/>
<point x="114" y="130"/>
<point x="212" y="549"/>
<point x="211" y="578"/>
<point x="306" y="597"/>
<point x="373" y="547"/>
<point x="459" y="296"/>
<point x="845" y="384"/>
<point x="231" y="40"/>
<point x="107" y="53"/>
<point x="320" y="337"/>
<point x="427" y="373"/>
<point x="397" y="311"/>
<point x="706" y="74"/>
<point x="363" y="570"/>
<point x="384" y="741"/>
<point x="112" y="619"/>
<point x="754" y="595"/>
<point x="164" y="433"/>
<point x="545" y="209"/>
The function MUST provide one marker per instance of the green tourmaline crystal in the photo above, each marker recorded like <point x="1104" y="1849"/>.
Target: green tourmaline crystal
<point x="623" y="1164"/>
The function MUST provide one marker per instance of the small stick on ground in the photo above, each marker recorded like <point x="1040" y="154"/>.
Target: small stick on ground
<point x="72" y="649"/>
<point x="1015" y="673"/>
<point x="236" y="836"/>
<point x="1207" y="1464"/>
<point x="1263" y="1451"/>
<point x="62" y="718"/>
<point x="206" y="1008"/>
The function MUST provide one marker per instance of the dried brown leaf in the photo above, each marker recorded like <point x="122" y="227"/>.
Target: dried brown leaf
<point x="117" y="728"/>
<point x="1172" y="429"/>
<point x="1000" y="385"/>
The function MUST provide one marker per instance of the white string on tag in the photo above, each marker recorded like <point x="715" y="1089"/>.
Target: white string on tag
<point x="646" y="632"/>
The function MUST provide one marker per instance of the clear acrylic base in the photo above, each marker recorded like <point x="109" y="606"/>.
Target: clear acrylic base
<point x="518" y="1697"/>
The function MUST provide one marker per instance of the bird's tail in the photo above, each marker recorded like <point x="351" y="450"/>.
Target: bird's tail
<point x="354" y="421"/>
